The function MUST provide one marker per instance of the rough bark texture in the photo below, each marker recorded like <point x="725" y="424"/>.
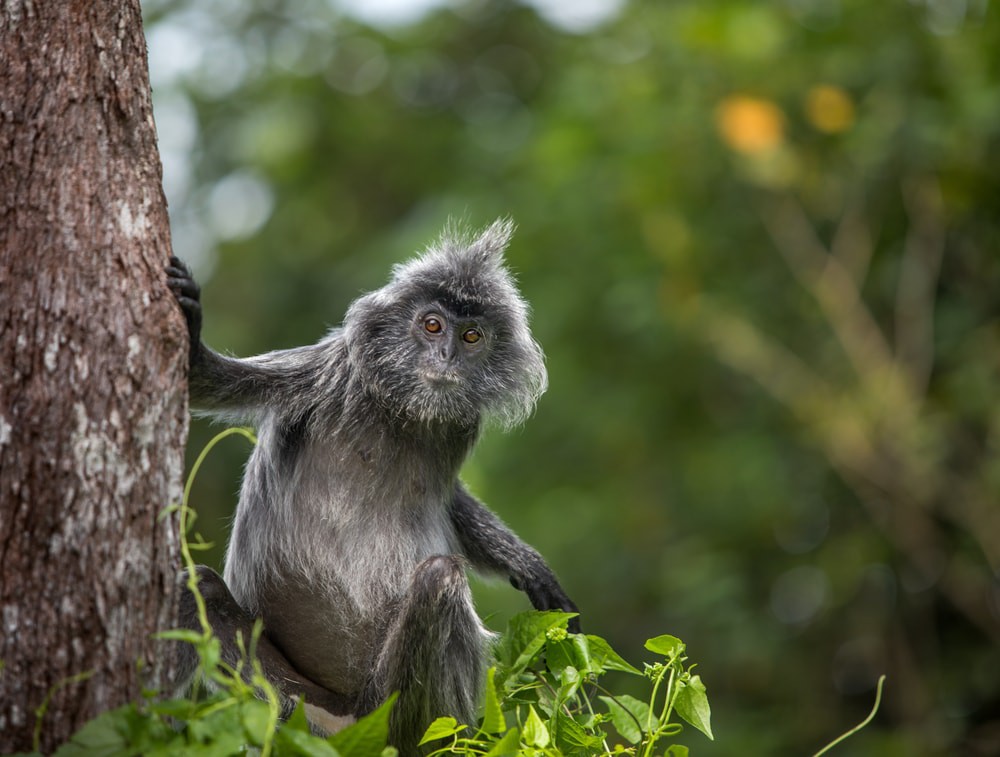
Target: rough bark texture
<point x="92" y="351"/>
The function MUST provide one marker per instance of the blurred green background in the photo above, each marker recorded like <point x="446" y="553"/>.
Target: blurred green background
<point x="762" y="244"/>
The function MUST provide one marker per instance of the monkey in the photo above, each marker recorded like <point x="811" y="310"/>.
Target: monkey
<point x="353" y="531"/>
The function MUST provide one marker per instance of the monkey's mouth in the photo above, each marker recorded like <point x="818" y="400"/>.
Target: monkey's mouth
<point x="440" y="379"/>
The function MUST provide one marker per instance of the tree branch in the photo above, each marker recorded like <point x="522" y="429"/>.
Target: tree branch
<point x="918" y="276"/>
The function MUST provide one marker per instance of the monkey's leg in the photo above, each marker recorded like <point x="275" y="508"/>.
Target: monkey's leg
<point x="326" y="710"/>
<point x="433" y="654"/>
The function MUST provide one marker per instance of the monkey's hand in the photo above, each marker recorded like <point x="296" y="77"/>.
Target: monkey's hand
<point x="491" y="546"/>
<point x="545" y="593"/>
<point x="188" y="295"/>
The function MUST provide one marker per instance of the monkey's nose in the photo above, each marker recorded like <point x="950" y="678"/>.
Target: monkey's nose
<point x="446" y="351"/>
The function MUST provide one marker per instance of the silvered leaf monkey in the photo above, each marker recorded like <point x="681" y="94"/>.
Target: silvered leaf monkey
<point x="353" y="531"/>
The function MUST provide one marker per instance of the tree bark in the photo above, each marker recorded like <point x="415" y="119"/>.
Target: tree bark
<point x="93" y="413"/>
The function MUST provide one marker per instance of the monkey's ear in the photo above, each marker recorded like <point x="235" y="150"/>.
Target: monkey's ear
<point x="493" y="240"/>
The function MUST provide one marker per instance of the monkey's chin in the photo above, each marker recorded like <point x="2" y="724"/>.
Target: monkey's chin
<point x="440" y="399"/>
<point x="440" y="380"/>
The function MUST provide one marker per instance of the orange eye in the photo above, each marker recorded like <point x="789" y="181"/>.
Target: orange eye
<point x="471" y="336"/>
<point x="432" y="325"/>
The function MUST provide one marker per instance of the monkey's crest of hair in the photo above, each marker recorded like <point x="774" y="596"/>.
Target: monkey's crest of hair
<point x="466" y="275"/>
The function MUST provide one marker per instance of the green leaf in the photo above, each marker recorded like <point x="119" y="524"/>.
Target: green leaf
<point x="292" y="741"/>
<point x="221" y="743"/>
<point x="570" y="679"/>
<point x="294" y="737"/>
<point x="442" y="728"/>
<point x="571" y="738"/>
<point x="560" y="655"/>
<point x="628" y="715"/>
<point x="493" y="719"/>
<point x="218" y="733"/>
<point x="297" y="721"/>
<point x="666" y="645"/>
<point x="677" y="750"/>
<point x="181" y="709"/>
<point x="508" y="746"/>
<point x="102" y="736"/>
<point x="149" y="734"/>
<point x="155" y="744"/>
<point x="255" y="716"/>
<point x="367" y="737"/>
<point x="692" y="705"/>
<point x="603" y="657"/>
<point x="535" y="732"/>
<point x="525" y="637"/>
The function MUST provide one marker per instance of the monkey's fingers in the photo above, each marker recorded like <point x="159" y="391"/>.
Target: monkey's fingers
<point x="188" y="295"/>
<point x="176" y="262"/>
<point x="547" y="594"/>
<point x="191" y="308"/>
<point x="182" y="283"/>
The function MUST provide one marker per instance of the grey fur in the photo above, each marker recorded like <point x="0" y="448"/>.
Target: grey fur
<point x="352" y="528"/>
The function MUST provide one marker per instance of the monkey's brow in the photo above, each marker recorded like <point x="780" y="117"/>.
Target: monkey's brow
<point x="460" y="306"/>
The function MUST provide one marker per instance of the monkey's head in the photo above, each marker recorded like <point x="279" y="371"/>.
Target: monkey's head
<point x="447" y="339"/>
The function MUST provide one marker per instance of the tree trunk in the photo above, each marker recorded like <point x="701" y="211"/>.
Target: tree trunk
<point x="93" y="412"/>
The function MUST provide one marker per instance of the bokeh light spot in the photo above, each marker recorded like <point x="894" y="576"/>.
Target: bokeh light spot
<point x="830" y="109"/>
<point x="750" y="125"/>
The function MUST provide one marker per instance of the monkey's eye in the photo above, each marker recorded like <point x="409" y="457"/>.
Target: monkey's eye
<point x="433" y="325"/>
<point x="471" y="336"/>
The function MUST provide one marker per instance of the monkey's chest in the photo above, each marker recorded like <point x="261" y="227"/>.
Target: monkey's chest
<point x="374" y="553"/>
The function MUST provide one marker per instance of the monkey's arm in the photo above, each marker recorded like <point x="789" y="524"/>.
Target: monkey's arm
<point x="491" y="546"/>
<point x="229" y="385"/>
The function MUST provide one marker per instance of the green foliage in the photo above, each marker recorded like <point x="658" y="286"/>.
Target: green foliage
<point x="542" y="697"/>
<point x="539" y="682"/>
<point x="227" y="722"/>
<point x="544" y="682"/>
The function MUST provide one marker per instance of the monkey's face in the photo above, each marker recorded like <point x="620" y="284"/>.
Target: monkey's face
<point x="429" y="362"/>
<point x="425" y="361"/>
<point x="447" y="339"/>
<point x="449" y="348"/>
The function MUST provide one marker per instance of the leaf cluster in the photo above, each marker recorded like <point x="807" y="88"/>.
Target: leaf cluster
<point x="228" y="721"/>
<point x="546" y="696"/>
